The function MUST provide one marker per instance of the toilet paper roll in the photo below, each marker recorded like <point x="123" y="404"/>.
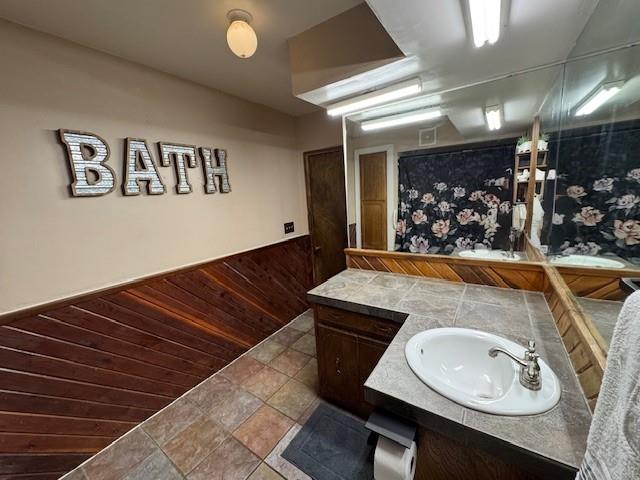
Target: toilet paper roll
<point x="393" y="461"/>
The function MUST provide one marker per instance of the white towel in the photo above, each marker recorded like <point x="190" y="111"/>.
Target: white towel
<point x="613" y="446"/>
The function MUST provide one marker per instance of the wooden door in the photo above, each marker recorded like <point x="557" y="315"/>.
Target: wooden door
<point x="373" y="200"/>
<point x="326" y="204"/>
<point x="338" y="367"/>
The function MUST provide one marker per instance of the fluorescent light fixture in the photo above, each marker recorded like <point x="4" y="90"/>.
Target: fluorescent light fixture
<point x="401" y="119"/>
<point x="384" y="95"/>
<point x="485" y="21"/>
<point x="492" y="115"/>
<point x="600" y="96"/>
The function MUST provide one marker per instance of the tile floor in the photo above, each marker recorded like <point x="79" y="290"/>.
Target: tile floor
<point x="233" y="426"/>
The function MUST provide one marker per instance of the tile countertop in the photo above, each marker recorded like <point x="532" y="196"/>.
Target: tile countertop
<point x="603" y="313"/>
<point x="559" y="435"/>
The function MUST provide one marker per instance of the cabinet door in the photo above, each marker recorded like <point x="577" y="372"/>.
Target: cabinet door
<point x="369" y="353"/>
<point x="338" y="367"/>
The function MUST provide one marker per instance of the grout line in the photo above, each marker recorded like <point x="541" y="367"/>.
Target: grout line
<point x="165" y="454"/>
<point x="455" y="315"/>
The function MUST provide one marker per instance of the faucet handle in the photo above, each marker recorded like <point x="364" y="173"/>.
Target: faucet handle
<point x="530" y="353"/>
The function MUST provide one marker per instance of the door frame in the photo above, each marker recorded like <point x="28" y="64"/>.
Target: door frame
<point x="308" y="196"/>
<point x="391" y="204"/>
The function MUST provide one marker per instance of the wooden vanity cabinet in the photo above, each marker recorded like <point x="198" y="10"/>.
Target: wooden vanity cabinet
<point x="349" y="346"/>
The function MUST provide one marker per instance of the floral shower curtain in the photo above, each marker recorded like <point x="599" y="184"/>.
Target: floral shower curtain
<point x="597" y="206"/>
<point x="455" y="200"/>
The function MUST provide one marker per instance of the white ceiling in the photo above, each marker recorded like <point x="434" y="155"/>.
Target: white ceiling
<point x="519" y="97"/>
<point x="187" y="38"/>
<point x="613" y="23"/>
<point x="436" y="38"/>
<point x="440" y="51"/>
<point x="583" y="77"/>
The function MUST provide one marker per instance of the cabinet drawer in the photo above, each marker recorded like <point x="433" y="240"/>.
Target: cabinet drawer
<point x="356" y="322"/>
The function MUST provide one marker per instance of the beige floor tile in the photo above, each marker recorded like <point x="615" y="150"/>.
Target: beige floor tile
<point x="241" y="369"/>
<point x="265" y="383"/>
<point x="267" y="351"/>
<point x="293" y="399"/>
<point x="230" y="461"/>
<point x="303" y="322"/>
<point x="309" y="375"/>
<point x="290" y="362"/>
<point x="120" y="457"/>
<point x="235" y="409"/>
<point x="287" y="336"/>
<point x="309" y="411"/>
<point x="157" y="467"/>
<point x="192" y="445"/>
<point x="76" y="474"/>
<point x="170" y="421"/>
<point x="211" y="393"/>
<point x="263" y="430"/>
<point x="306" y="344"/>
<point x="264" y="472"/>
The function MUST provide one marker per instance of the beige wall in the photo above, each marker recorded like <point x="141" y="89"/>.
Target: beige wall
<point x="53" y="246"/>
<point x="318" y="130"/>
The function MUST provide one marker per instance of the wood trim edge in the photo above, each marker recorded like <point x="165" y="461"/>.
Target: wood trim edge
<point x="63" y="302"/>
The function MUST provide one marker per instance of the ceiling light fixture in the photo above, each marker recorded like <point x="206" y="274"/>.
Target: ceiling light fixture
<point x="485" y="21"/>
<point x="384" y="95"/>
<point x="492" y="115"/>
<point x="600" y="96"/>
<point x="401" y="119"/>
<point x="241" y="38"/>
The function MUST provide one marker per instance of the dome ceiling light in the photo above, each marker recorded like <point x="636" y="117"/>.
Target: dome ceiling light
<point x="241" y="38"/>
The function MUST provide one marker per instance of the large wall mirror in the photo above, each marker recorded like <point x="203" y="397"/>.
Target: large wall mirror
<point x="592" y="220"/>
<point x="448" y="173"/>
<point x="537" y="166"/>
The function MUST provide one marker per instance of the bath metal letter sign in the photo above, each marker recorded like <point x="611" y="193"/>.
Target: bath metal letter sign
<point x="91" y="176"/>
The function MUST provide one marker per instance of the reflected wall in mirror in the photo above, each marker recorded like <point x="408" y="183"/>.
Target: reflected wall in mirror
<point x="447" y="173"/>
<point x="603" y="315"/>
<point x="594" y="216"/>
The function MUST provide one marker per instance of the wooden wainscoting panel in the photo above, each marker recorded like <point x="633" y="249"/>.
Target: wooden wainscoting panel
<point x="598" y="283"/>
<point x="586" y="354"/>
<point x="517" y="275"/>
<point x="77" y="374"/>
<point x="533" y="253"/>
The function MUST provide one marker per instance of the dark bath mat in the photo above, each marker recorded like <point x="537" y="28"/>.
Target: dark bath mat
<point x="332" y="446"/>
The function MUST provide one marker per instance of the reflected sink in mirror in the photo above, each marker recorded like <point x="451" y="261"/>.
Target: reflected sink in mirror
<point x="455" y="362"/>
<point x="492" y="255"/>
<point x="586" y="261"/>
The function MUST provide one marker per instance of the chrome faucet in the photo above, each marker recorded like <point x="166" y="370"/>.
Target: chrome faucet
<point x="529" y="367"/>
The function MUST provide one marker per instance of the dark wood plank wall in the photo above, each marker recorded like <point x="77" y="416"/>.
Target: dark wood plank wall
<point x="77" y="374"/>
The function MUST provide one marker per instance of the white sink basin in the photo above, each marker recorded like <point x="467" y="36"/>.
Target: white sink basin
<point x="455" y="363"/>
<point x="491" y="255"/>
<point x="586" y="261"/>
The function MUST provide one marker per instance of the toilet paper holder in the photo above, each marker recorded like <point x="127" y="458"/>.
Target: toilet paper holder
<point x="395" y="451"/>
<point x="392" y="427"/>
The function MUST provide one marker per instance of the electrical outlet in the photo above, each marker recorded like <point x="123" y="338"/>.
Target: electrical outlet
<point x="288" y="227"/>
